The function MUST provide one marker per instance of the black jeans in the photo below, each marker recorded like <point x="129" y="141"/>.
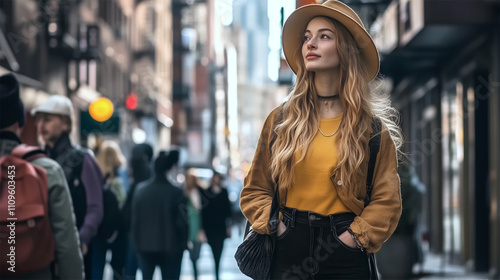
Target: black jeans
<point x="310" y="248"/>
<point x="194" y="255"/>
<point x="169" y="263"/>
<point x="217" y="244"/>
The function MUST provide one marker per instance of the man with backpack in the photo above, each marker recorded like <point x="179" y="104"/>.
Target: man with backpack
<point x="36" y="213"/>
<point x="84" y="177"/>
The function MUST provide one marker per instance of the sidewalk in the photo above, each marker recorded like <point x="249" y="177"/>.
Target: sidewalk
<point x="435" y="268"/>
<point x="228" y="267"/>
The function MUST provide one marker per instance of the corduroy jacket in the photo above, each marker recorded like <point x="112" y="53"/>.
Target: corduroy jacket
<point x="373" y="224"/>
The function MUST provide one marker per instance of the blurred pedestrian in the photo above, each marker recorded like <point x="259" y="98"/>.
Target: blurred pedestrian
<point x="412" y="194"/>
<point x="122" y="171"/>
<point x="67" y="255"/>
<point x="315" y="146"/>
<point x="238" y="220"/>
<point x="215" y="215"/>
<point x="196" y="234"/>
<point x="112" y="163"/>
<point x="159" y="226"/>
<point x="140" y="167"/>
<point x="404" y="249"/>
<point x="83" y="175"/>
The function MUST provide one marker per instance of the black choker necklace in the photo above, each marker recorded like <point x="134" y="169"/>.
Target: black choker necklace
<point x="325" y="99"/>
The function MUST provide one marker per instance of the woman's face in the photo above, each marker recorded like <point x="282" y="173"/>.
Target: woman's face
<point x="319" y="49"/>
<point x="190" y="181"/>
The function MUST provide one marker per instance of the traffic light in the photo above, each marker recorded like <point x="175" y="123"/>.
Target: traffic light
<point x="101" y="109"/>
<point x="131" y="101"/>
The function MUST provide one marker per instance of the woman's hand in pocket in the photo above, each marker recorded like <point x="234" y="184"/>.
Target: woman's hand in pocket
<point x="281" y="228"/>
<point x="347" y="239"/>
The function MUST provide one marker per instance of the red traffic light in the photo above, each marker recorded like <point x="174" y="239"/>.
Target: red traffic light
<point x="131" y="101"/>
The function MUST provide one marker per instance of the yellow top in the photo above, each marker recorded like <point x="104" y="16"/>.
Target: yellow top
<point x="313" y="190"/>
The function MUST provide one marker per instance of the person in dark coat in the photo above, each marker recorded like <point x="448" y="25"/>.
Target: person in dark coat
<point x="54" y="121"/>
<point x="404" y="249"/>
<point x="215" y="213"/>
<point x="140" y="166"/>
<point x="159" y="227"/>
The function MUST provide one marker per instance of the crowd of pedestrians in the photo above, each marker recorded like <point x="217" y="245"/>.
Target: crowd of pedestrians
<point x="97" y="202"/>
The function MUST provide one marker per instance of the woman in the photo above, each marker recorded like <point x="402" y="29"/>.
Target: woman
<point x="159" y="228"/>
<point x="215" y="214"/>
<point x="196" y="233"/>
<point x="112" y="163"/>
<point x="113" y="166"/>
<point x="316" y="146"/>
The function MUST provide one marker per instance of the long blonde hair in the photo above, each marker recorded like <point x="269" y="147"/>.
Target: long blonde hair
<point x="191" y="181"/>
<point x="359" y="102"/>
<point x="109" y="157"/>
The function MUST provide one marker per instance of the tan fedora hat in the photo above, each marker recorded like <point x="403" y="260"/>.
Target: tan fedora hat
<point x="297" y="22"/>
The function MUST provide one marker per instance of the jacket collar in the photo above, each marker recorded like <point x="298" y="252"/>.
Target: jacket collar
<point x="8" y="141"/>
<point x="7" y="135"/>
<point x="61" y="145"/>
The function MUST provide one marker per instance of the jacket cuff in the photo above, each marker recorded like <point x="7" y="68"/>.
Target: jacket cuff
<point x="360" y="233"/>
<point x="260" y="227"/>
<point x="261" y="224"/>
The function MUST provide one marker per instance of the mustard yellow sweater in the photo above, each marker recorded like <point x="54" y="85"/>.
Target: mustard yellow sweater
<point x="313" y="190"/>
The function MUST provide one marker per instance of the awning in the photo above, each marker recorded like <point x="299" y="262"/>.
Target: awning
<point x="33" y="92"/>
<point x="418" y="35"/>
<point x="5" y="48"/>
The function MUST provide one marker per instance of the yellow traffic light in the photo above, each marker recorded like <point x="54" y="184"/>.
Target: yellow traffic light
<point x="101" y="109"/>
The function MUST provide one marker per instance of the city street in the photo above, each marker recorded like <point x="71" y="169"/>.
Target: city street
<point x="132" y="99"/>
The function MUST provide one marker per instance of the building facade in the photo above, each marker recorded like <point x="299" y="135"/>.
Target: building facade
<point x="441" y="61"/>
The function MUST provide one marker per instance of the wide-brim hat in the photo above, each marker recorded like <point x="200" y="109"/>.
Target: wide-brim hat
<point x="296" y="24"/>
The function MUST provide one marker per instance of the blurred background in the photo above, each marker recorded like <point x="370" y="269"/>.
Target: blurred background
<point x="203" y="74"/>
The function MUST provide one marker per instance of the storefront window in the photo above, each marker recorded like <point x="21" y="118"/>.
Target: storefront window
<point x="452" y="141"/>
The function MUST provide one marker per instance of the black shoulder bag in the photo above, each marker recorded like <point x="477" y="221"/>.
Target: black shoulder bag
<point x="255" y="254"/>
<point x="374" y="144"/>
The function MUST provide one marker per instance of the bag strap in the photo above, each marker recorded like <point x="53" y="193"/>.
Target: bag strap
<point x="374" y="144"/>
<point x="274" y="215"/>
<point x="27" y="152"/>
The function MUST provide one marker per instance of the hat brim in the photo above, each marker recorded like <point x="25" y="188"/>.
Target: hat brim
<point x="296" y="24"/>
<point x="35" y="111"/>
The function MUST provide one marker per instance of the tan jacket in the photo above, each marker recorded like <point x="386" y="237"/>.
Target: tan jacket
<point x="373" y="225"/>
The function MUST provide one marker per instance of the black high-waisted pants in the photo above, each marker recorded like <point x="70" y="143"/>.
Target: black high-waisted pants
<point x="310" y="248"/>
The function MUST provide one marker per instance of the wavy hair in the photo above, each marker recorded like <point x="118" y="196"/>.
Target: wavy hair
<point x="109" y="157"/>
<point x="359" y="103"/>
